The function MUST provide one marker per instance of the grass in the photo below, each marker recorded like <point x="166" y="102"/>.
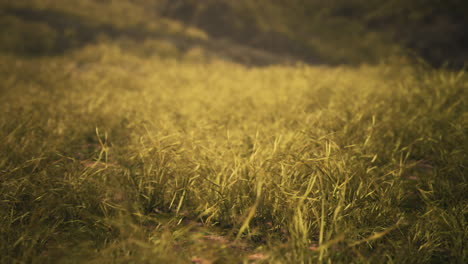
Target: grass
<point x="108" y="156"/>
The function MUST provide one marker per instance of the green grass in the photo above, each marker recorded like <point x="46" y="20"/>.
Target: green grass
<point x="108" y="156"/>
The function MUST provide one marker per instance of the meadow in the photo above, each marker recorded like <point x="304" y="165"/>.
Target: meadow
<point x="121" y="151"/>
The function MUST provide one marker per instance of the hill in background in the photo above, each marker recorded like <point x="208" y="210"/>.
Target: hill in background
<point x="251" y="32"/>
<point x="337" y="31"/>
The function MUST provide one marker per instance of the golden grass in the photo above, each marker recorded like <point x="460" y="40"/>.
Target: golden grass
<point x="109" y="156"/>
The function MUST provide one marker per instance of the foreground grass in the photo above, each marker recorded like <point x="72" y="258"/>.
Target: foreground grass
<point x="109" y="157"/>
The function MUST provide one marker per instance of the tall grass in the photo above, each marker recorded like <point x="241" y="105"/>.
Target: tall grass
<point x="110" y="157"/>
<point x="148" y="147"/>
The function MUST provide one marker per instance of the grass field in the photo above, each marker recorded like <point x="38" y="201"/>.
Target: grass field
<point x="111" y="154"/>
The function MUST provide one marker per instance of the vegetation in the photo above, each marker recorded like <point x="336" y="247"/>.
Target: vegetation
<point x="337" y="31"/>
<point x="143" y="141"/>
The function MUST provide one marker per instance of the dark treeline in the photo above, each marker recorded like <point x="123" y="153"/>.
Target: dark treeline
<point x="314" y="31"/>
<point x="336" y="31"/>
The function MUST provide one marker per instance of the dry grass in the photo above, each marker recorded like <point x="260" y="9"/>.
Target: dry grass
<point x="110" y="157"/>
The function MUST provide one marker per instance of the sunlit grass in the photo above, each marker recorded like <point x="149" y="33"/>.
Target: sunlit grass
<point x="111" y="157"/>
<point x="121" y="151"/>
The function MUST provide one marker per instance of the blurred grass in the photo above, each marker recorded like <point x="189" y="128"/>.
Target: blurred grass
<point x="121" y="150"/>
<point x="337" y="31"/>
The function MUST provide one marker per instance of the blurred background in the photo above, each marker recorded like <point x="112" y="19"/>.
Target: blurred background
<point x="257" y="32"/>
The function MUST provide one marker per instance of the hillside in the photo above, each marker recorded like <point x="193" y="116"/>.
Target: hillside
<point x="337" y="31"/>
